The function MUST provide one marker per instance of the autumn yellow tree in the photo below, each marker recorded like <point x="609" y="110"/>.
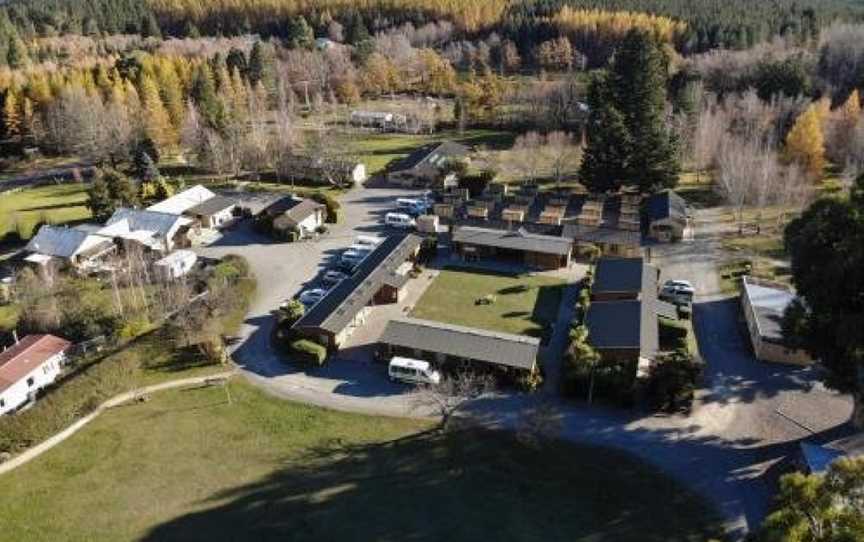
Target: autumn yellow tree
<point x="12" y="113"/>
<point x="851" y="108"/>
<point x="157" y="123"/>
<point x="805" y="142"/>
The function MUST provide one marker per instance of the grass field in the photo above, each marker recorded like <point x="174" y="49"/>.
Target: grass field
<point x="523" y="304"/>
<point x="57" y="204"/>
<point x="189" y="466"/>
<point x="377" y="150"/>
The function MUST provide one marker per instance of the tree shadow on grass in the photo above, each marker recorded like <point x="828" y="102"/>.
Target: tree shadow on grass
<point x="477" y="485"/>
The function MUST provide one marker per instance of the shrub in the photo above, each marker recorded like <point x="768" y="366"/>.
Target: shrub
<point x="334" y="208"/>
<point x="309" y="352"/>
<point x="673" y="381"/>
<point x="672" y="334"/>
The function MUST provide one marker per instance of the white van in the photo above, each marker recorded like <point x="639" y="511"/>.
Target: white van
<point x="413" y="371"/>
<point x="399" y="220"/>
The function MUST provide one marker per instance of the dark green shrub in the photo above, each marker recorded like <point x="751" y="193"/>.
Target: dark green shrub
<point x="310" y="352"/>
<point x="334" y="208"/>
<point x="671" y="333"/>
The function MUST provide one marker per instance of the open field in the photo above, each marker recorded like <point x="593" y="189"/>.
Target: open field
<point x="57" y="204"/>
<point x="523" y="304"/>
<point x="188" y="465"/>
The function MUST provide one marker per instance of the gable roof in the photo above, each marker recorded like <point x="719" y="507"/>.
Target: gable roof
<point x="183" y="201"/>
<point x="667" y="204"/>
<point x="513" y="240"/>
<point x="27" y="355"/>
<point x="343" y="302"/>
<point x="63" y="242"/>
<point x="465" y="342"/>
<point x="601" y="234"/>
<point x="433" y="155"/>
<point x="125" y="220"/>
<point x="214" y="205"/>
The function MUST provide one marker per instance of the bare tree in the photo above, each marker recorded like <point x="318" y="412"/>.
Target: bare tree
<point x="564" y="154"/>
<point x="448" y="397"/>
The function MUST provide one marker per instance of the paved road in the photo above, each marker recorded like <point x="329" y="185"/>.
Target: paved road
<point x="747" y="416"/>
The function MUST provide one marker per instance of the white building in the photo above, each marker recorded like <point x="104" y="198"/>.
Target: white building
<point x="156" y="230"/>
<point x="176" y="264"/>
<point x="210" y="210"/>
<point x="79" y="247"/>
<point x="29" y="365"/>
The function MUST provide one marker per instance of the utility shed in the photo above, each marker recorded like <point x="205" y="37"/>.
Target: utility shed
<point x="763" y="304"/>
<point x="531" y="249"/>
<point x="442" y="343"/>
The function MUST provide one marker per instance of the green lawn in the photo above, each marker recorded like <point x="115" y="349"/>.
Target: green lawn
<point x="189" y="466"/>
<point x="524" y="304"/>
<point x="378" y="150"/>
<point x="57" y="204"/>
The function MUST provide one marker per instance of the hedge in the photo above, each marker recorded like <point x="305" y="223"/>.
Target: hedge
<point x="309" y="352"/>
<point x="334" y="208"/>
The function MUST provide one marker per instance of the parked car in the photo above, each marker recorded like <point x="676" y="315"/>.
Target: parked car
<point x="352" y="257"/>
<point x="313" y="296"/>
<point x="679" y="287"/>
<point x="399" y="220"/>
<point x="412" y="371"/>
<point x="411" y="206"/>
<point x="332" y="277"/>
<point x="367" y="241"/>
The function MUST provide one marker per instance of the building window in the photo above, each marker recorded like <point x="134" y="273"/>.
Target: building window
<point x="2" y="403"/>
<point x="30" y="382"/>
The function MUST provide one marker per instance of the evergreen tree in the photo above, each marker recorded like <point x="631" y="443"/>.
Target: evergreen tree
<point x="190" y="30"/>
<point x="205" y="98"/>
<point x="236" y="60"/>
<point x="300" y="34"/>
<point x="150" y="27"/>
<point x="121" y="189"/>
<point x="262" y="67"/>
<point x="144" y="167"/>
<point x="16" y="55"/>
<point x="628" y="142"/>
<point x="99" y="199"/>
<point x="356" y="31"/>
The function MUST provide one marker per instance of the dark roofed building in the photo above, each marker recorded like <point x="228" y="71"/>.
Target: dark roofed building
<point x="376" y="281"/>
<point x="531" y="249"/>
<point x="426" y="164"/>
<point x="290" y="213"/>
<point x="611" y="241"/>
<point x="442" y="343"/>
<point x="623" y="278"/>
<point x="667" y="216"/>
<point x="216" y="212"/>
<point x="622" y="318"/>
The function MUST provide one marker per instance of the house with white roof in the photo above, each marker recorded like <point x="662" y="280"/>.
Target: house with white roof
<point x="155" y="230"/>
<point x="80" y="247"/>
<point x="209" y="210"/>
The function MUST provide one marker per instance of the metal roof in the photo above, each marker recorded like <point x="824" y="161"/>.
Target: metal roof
<point x="667" y="204"/>
<point x="183" y="201"/>
<point x="163" y="224"/>
<point x="512" y="240"/>
<point x="601" y="234"/>
<point x="435" y="154"/>
<point x="214" y="205"/>
<point x="621" y="275"/>
<point x="626" y="324"/>
<point x="342" y="303"/>
<point x="768" y="303"/>
<point x="63" y="242"/>
<point x="464" y="342"/>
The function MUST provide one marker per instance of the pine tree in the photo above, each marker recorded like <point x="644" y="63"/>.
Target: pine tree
<point x="157" y="123"/>
<point x="99" y="199"/>
<point x="120" y="188"/>
<point x="805" y="142"/>
<point x="150" y="27"/>
<point x="16" y="54"/>
<point x="144" y="167"/>
<point x="262" y="67"/>
<point x="203" y="93"/>
<point x="628" y="142"/>
<point x="170" y="91"/>
<point x="236" y="60"/>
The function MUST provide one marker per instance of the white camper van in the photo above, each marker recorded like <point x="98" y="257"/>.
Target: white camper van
<point x="399" y="220"/>
<point x="413" y="371"/>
